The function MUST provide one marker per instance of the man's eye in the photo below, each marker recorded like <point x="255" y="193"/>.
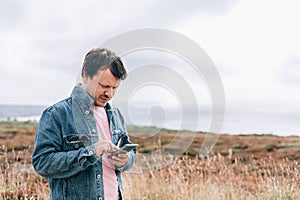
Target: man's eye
<point x="104" y="86"/>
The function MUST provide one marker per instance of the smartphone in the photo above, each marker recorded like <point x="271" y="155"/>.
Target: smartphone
<point x="125" y="148"/>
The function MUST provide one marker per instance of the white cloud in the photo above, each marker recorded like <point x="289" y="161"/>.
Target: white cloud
<point x="253" y="39"/>
<point x="289" y="72"/>
<point x="250" y="41"/>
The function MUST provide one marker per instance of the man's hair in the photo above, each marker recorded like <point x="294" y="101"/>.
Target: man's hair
<point x="102" y="59"/>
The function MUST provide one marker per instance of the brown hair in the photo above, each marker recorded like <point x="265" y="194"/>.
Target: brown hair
<point x="101" y="59"/>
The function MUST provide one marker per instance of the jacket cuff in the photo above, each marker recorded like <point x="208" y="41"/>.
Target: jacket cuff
<point x="89" y="154"/>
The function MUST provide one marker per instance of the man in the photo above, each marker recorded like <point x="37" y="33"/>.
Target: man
<point x="75" y="135"/>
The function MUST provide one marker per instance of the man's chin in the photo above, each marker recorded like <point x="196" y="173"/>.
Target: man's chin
<point x="100" y="103"/>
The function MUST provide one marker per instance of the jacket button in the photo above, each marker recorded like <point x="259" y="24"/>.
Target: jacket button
<point x="98" y="176"/>
<point x="87" y="112"/>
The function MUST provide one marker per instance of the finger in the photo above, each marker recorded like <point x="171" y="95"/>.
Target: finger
<point x="110" y="147"/>
<point x="116" y="158"/>
<point x="115" y="148"/>
<point x="117" y="163"/>
<point x="123" y="155"/>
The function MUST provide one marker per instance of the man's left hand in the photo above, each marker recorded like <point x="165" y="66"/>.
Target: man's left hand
<point x="120" y="160"/>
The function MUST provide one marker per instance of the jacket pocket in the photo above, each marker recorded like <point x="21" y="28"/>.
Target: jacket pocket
<point x="76" y="141"/>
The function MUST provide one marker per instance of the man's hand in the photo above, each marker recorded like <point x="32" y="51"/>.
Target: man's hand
<point x="120" y="160"/>
<point x="105" y="146"/>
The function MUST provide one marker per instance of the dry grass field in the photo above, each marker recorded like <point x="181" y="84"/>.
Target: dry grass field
<point x="239" y="167"/>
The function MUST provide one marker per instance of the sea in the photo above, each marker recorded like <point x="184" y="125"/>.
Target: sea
<point x="234" y="124"/>
<point x="21" y="112"/>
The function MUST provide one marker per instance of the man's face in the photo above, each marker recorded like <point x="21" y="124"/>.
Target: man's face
<point x="101" y="87"/>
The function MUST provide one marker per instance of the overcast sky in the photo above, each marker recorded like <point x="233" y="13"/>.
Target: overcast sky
<point x="254" y="45"/>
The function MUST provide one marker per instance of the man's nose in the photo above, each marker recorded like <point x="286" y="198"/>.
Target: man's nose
<point x="109" y="92"/>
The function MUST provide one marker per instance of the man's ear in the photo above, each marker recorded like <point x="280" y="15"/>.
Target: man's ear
<point x="85" y="77"/>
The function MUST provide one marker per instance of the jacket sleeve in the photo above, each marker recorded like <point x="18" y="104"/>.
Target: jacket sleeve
<point x="49" y="158"/>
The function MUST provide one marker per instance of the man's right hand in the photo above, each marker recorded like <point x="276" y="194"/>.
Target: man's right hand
<point x="105" y="146"/>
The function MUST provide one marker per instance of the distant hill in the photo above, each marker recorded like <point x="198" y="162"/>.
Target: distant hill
<point x="15" y="111"/>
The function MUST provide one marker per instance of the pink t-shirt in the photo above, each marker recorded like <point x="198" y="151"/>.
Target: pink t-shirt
<point x="109" y="176"/>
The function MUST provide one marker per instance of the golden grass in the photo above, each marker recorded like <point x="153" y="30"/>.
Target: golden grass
<point x="18" y="180"/>
<point x="215" y="177"/>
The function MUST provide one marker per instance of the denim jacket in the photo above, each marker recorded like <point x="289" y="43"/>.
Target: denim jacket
<point x="64" y="148"/>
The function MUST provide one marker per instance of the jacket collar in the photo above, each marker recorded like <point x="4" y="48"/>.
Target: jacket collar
<point x="81" y="97"/>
